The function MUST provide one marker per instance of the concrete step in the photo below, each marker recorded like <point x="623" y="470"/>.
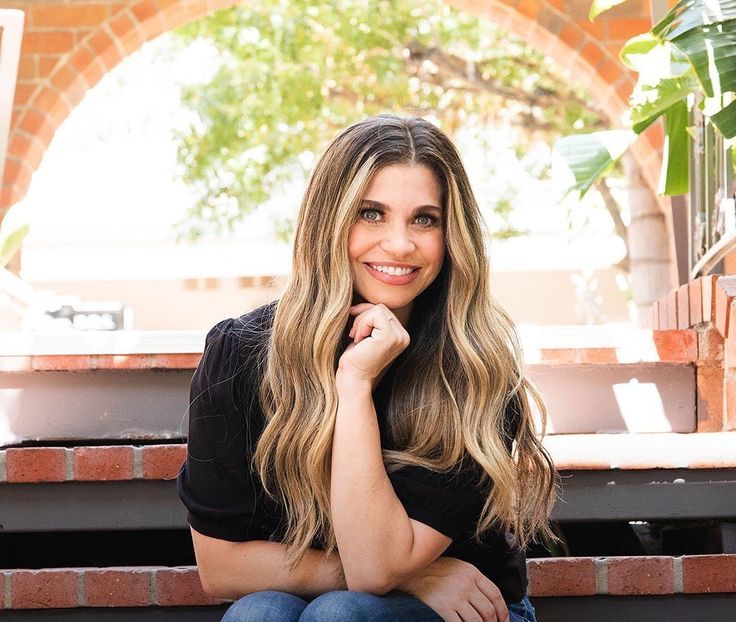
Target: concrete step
<point x="572" y="589"/>
<point x="644" y="383"/>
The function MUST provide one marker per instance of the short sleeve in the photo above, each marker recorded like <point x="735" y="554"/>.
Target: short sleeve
<point x="216" y="485"/>
<point x="448" y="502"/>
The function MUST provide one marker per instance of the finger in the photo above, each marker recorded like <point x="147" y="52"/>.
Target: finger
<point x="361" y="307"/>
<point x="469" y="614"/>
<point x="485" y="608"/>
<point x="492" y="593"/>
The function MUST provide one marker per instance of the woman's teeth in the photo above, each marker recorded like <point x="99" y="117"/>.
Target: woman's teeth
<point x="392" y="270"/>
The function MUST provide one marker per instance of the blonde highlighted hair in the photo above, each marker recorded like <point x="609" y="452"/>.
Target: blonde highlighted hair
<point x="454" y="382"/>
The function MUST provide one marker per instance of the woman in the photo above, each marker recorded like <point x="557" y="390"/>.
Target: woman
<point x="364" y="448"/>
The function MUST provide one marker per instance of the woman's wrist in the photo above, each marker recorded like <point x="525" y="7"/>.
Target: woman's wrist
<point x="351" y="381"/>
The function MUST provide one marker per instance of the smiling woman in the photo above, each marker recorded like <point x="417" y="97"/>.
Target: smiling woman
<point x="364" y="448"/>
<point x="396" y="246"/>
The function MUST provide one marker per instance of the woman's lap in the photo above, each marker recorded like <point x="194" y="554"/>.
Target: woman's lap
<point x="344" y="606"/>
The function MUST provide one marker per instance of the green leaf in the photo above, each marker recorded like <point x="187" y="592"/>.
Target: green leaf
<point x="675" y="173"/>
<point x="11" y="243"/>
<point x="649" y="102"/>
<point x="687" y="15"/>
<point x="712" y="52"/>
<point x="591" y="156"/>
<point x="599" y="6"/>
<point x="725" y="120"/>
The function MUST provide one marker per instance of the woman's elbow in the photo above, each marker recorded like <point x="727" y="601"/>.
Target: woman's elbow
<point x="213" y="586"/>
<point x="377" y="583"/>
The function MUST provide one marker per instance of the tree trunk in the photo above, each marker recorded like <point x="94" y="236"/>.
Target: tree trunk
<point x="649" y="244"/>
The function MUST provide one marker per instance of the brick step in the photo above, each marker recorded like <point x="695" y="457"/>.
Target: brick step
<point x="595" y="584"/>
<point x="570" y="452"/>
<point x="646" y="385"/>
<point x="659" y="477"/>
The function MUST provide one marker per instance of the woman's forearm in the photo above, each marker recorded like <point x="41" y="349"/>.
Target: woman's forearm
<point x="373" y="532"/>
<point x="247" y="567"/>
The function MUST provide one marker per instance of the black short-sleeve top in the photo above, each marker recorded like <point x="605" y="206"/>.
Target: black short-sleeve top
<point x="225" y="499"/>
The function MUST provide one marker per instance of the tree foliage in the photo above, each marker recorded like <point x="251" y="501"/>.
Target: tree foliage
<point x="293" y="72"/>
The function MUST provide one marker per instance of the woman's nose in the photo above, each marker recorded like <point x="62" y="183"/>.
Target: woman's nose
<point x="398" y="242"/>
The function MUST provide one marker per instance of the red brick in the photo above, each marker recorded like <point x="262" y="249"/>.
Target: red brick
<point x="43" y="589"/>
<point x="729" y="345"/>
<point x="610" y="71"/>
<point x="676" y="346"/>
<point x="529" y="8"/>
<point x="571" y="36"/>
<point x="623" y="89"/>
<point x="730" y="390"/>
<point x="28" y="68"/>
<point x="640" y="575"/>
<point x="725" y="291"/>
<point x="181" y="586"/>
<point x="625" y="28"/>
<point x="710" y="346"/>
<point x="68" y="15"/>
<point x="103" y="463"/>
<point x="177" y="361"/>
<point x="672" y="310"/>
<point x="592" y="53"/>
<point x="81" y="59"/>
<point x="122" y="25"/>
<point x="683" y="306"/>
<point x="49" y="42"/>
<point x="163" y="461"/>
<point x="709" y="308"/>
<point x="597" y="355"/>
<point x="709" y="401"/>
<point x="562" y="576"/>
<point x="60" y="362"/>
<point x="593" y="28"/>
<point x="36" y="464"/>
<point x="709" y="573"/>
<point x="696" y="301"/>
<point x="119" y="587"/>
<point x="144" y="10"/>
<point x="16" y="173"/>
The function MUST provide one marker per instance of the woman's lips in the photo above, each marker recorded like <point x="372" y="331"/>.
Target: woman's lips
<point x="392" y="279"/>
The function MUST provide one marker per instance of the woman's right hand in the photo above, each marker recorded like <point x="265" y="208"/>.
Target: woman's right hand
<point x="457" y="591"/>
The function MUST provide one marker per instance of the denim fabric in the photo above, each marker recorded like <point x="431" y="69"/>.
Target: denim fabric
<point x="344" y="606"/>
<point x="523" y="611"/>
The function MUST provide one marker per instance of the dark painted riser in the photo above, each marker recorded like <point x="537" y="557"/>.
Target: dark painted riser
<point x="661" y="494"/>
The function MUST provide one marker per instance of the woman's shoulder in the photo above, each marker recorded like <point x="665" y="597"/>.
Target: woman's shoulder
<point x="244" y="334"/>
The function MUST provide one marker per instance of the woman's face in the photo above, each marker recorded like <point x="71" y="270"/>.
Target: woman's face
<point x="396" y="246"/>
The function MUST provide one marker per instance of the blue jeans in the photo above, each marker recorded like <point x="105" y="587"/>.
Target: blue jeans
<point x="344" y="606"/>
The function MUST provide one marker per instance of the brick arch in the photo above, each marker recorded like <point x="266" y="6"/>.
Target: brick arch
<point x="58" y="68"/>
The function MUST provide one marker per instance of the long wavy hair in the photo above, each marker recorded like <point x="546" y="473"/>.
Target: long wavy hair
<point x="452" y="384"/>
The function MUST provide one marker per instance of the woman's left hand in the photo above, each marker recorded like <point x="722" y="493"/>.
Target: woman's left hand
<point x="378" y="338"/>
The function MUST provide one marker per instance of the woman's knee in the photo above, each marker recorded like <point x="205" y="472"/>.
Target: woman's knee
<point x="266" y="606"/>
<point x="345" y="606"/>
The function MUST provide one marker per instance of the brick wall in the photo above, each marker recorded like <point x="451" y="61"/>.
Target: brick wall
<point x="68" y="46"/>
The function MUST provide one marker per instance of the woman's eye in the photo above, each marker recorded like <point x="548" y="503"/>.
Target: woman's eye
<point x="371" y="215"/>
<point x="425" y="220"/>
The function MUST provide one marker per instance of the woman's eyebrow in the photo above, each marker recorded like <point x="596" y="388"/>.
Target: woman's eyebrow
<point x="387" y="207"/>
